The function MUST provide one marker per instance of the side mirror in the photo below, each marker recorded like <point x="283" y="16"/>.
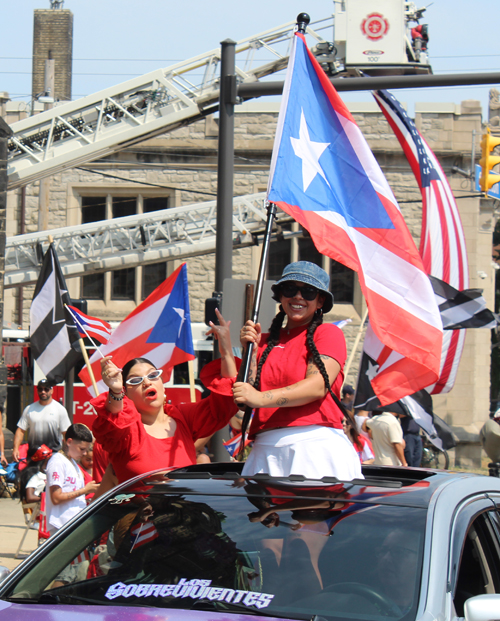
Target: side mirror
<point x="4" y="572"/>
<point x="482" y="608"/>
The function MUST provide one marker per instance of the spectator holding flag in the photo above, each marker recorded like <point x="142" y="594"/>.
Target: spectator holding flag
<point x="296" y="372"/>
<point x="141" y="432"/>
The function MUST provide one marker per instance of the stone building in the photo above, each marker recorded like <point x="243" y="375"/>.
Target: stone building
<point x="184" y="164"/>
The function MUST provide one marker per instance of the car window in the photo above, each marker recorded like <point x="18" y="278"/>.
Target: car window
<point x="479" y="570"/>
<point x="286" y="556"/>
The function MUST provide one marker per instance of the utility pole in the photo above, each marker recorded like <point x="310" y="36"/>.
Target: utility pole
<point x="5" y="134"/>
<point x="225" y="168"/>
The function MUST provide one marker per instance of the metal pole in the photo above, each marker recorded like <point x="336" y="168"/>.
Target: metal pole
<point x="261" y="89"/>
<point x="271" y="214"/>
<point x="245" y="367"/>
<point x="5" y="134"/>
<point x="225" y="168"/>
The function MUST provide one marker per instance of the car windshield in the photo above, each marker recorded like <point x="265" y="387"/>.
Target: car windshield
<point x="280" y="551"/>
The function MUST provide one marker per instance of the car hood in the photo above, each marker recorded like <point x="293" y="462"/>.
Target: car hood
<point x="52" y="612"/>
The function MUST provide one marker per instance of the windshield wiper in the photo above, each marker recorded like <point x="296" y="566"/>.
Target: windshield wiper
<point x="209" y="604"/>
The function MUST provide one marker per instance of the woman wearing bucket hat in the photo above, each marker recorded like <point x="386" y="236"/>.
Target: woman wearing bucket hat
<point x="295" y="381"/>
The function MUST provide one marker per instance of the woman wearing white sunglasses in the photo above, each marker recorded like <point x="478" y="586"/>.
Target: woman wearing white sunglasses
<point x="141" y="431"/>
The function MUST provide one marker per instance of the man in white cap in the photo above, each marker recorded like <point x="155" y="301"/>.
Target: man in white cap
<point x="490" y="437"/>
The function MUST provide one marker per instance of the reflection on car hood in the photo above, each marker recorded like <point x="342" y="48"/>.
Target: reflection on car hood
<point x="52" y="612"/>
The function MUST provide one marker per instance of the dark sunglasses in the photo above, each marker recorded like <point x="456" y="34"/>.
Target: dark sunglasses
<point x="42" y="389"/>
<point x="289" y="290"/>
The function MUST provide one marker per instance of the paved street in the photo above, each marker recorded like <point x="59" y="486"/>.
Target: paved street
<point x="11" y="530"/>
<point x="12" y="523"/>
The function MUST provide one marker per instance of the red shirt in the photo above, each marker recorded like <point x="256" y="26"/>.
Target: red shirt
<point x="286" y="365"/>
<point x="133" y="451"/>
<point x="101" y="461"/>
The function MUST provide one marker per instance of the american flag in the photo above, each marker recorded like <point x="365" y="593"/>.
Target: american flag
<point x="325" y="176"/>
<point x="92" y="327"/>
<point x="442" y="245"/>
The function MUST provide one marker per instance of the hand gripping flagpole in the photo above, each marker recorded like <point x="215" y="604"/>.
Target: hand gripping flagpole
<point x="245" y="366"/>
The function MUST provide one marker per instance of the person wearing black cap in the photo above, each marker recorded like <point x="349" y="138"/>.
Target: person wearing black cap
<point x="348" y="397"/>
<point x="45" y="421"/>
<point x="295" y="381"/>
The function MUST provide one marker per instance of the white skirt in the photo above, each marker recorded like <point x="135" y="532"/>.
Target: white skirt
<point x="313" y="451"/>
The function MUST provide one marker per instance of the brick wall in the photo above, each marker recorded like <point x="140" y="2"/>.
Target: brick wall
<point x="53" y="39"/>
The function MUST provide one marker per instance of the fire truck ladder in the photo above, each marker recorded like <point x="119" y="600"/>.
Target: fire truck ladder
<point x="126" y="242"/>
<point x="155" y="103"/>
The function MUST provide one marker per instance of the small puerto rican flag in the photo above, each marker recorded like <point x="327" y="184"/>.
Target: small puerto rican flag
<point x="234" y="444"/>
<point x="142" y="533"/>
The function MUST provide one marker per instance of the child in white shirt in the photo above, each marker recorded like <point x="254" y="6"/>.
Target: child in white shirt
<point x="65" y="485"/>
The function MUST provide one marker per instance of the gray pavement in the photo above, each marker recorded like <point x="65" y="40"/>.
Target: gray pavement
<point x="12" y="523"/>
<point x="12" y="527"/>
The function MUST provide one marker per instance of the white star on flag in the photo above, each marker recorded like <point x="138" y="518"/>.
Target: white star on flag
<point x="180" y="312"/>
<point x="309" y="152"/>
<point x="372" y="370"/>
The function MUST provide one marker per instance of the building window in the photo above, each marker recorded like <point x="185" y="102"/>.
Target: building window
<point x="308" y="252"/>
<point x="122" y="284"/>
<point x="124" y="206"/>
<point x="282" y="252"/>
<point x="279" y="254"/>
<point x="152" y="277"/>
<point x="341" y="282"/>
<point x="93" y="210"/>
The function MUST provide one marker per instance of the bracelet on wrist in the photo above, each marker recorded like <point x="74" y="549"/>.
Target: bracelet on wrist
<point x="116" y="397"/>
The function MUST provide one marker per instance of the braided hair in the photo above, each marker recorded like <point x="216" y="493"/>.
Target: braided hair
<point x="273" y="340"/>
<point x="274" y="336"/>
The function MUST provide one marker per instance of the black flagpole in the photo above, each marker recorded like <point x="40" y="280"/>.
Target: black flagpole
<point x="245" y="366"/>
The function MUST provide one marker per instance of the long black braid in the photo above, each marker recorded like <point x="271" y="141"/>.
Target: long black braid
<point x="274" y="337"/>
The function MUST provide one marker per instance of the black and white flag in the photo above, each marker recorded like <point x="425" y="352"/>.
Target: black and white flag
<point x="462" y="309"/>
<point x="418" y="406"/>
<point x="54" y="336"/>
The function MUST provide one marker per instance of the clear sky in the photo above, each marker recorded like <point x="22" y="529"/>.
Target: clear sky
<point x="115" y="40"/>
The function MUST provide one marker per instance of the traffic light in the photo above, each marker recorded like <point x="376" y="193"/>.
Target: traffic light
<point x="487" y="161"/>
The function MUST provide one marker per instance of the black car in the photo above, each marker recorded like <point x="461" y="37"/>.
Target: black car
<point x="204" y="543"/>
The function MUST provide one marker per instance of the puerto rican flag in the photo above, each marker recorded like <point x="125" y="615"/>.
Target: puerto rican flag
<point x="233" y="445"/>
<point x="142" y="533"/>
<point x="159" y="329"/>
<point x="325" y="176"/>
<point x="442" y="243"/>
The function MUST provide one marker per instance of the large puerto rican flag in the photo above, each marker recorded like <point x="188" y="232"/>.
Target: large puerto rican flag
<point x="442" y="242"/>
<point x="159" y="329"/>
<point x="325" y="176"/>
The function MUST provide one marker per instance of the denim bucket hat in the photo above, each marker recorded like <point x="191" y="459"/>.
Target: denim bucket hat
<point x="309" y="274"/>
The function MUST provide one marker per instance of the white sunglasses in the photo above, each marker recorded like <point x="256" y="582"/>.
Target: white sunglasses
<point x="154" y="375"/>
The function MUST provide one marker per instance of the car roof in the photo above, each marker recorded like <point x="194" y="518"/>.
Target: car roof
<point x="411" y="487"/>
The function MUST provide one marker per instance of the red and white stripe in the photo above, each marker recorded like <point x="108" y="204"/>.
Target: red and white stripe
<point x="143" y="533"/>
<point x="442" y="244"/>
<point x="129" y="339"/>
<point x="92" y="327"/>
<point x="403" y="311"/>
